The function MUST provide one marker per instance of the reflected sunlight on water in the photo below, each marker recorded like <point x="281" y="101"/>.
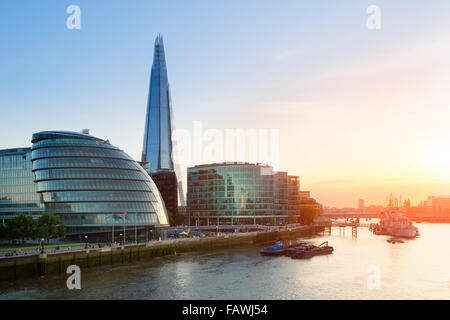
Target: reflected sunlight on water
<point x="415" y="269"/>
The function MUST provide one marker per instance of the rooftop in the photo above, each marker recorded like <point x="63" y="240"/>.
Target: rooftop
<point x="229" y="163"/>
<point x="44" y="135"/>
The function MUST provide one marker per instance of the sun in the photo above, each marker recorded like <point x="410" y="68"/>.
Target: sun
<point x="438" y="160"/>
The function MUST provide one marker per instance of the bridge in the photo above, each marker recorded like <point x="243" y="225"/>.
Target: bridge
<point x="351" y="215"/>
<point x="354" y="224"/>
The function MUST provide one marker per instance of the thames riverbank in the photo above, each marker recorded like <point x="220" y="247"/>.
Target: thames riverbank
<point x="25" y="267"/>
<point x="367" y="267"/>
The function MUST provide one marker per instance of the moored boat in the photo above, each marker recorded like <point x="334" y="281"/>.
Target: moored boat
<point x="307" y="252"/>
<point x="277" y="249"/>
<point x="396" y="225"/>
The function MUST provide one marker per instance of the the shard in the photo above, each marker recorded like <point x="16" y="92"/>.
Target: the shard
<point x="157" y="151"/>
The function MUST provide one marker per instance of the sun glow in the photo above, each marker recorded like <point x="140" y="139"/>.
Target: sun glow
<point x="438" y="158"/>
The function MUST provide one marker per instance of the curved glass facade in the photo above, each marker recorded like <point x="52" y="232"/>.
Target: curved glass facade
<point x="93" y="186"/>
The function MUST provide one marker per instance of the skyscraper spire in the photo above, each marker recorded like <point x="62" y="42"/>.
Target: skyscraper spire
<point x="157" y="149"/>
<point x="157" y="152"/>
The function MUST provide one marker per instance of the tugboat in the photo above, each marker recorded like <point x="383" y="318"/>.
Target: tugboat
<point x="277" y="249"/>
<point x="396" y="225"/>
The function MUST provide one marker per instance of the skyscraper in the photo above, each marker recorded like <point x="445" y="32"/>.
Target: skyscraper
<point x="157" y="152"/>
<point x="157" y="149"/>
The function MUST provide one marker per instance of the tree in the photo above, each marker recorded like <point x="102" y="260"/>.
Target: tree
<point x="48" y="226"/>
<point x="292" y="219"/>
<point x="308" y="214"/>
<point x="21" y="227"/>
<point x="61" y="231"/>
<point x="171" y="218"/>
<point x="3" y="232"/>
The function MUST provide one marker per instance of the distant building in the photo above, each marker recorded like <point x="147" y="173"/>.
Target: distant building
<point x="438" y="206"/>
<point x="166" y="182"/>
<point x="18" y="192"/>
<point x="307" y="201"/>
<point x="361" y="205"/>
<point x="294" y="197"/>
<point x="182" y="215"/>
<point x="95" y="188"/>
<point x="305" y="195"/>
<point x="241" y="193"/>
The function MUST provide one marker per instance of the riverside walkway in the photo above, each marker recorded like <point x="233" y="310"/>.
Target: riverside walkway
<point x="228" y="231"/>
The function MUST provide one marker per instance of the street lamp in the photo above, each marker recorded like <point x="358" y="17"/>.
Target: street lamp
<point x="86" y="237"/>
<point x="121" y="239"/>
<point x="42" y="245"/>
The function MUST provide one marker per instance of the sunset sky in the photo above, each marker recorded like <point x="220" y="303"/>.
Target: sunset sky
<point x="361" y="113"/>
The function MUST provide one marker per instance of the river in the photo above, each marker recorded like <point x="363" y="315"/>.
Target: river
<point x="364" y="268"/>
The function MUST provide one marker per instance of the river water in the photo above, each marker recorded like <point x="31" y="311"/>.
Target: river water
<point x="364" y="268"/>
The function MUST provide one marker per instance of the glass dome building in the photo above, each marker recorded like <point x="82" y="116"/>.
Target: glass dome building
<point x="95" y="188"/>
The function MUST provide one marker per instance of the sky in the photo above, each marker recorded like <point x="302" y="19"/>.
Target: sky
<point x="360" y="112"/>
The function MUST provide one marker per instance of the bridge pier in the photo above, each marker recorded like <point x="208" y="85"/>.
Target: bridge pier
<point x="354" y="232"/>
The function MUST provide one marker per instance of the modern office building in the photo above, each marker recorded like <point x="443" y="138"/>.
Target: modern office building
<point x="166" y="181"/>
<point x="18" y="192"/>
<point x="241" y="193"/>
<point x="157" y="151"/>
<point x="96" y="189"/>
<point x="294" y="198"/>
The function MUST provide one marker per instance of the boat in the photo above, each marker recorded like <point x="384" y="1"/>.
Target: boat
<point x="303" y="254"/>
<point x="394" y="240"/>
<point x="323" y="248"/>
<point x="395" y="224"/>
<point x="310" y="251"/>
<point x="292" y="249"/>
<point x="277" y="249"/>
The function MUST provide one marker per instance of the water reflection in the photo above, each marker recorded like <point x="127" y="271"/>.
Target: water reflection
<point x="416" y="269"/>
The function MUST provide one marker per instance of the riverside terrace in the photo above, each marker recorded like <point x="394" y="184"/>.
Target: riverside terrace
<point x="30" y="249"/>
<point x="23" y="267"/>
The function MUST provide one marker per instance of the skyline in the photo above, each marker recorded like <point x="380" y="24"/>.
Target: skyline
<point x="379" y="128"/>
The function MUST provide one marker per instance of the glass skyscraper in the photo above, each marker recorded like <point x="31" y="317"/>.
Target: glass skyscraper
<point x="18" y="192"/>
<point x="157" y="149"/>
<point x="93" y="186"/>
<point x="241" y="193"/>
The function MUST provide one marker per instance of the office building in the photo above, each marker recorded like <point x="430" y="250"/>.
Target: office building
<point x="241" y="193"/>
<point x="18" y="192"/>
<point x="166" y="181"/>
<point x="96" y="189"/>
